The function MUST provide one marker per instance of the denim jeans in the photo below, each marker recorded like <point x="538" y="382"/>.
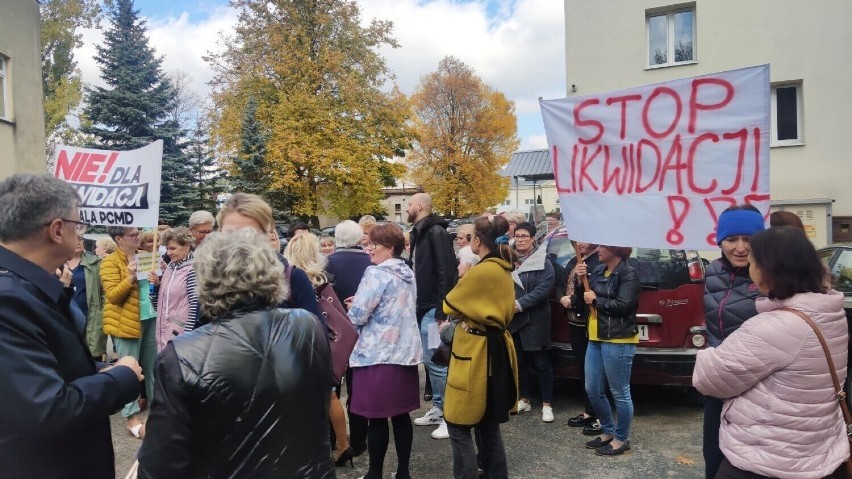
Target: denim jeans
<point x="493" y="453"/>
<point x="612" y="363"/>
<point x="128" y="347"/>
<point x="539" y="362"/>
<point x="437" y="374"/>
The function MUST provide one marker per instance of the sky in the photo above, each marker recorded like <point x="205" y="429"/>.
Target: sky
<point x="516" y="46"/>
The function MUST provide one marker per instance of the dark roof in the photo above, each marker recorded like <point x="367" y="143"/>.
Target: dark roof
<point x="530" y="165"/>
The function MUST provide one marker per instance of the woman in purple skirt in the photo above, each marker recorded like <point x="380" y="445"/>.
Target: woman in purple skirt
<point x="384" y="361"/>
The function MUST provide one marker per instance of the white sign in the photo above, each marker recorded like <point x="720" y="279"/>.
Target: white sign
<point x="654" y="166"/>
<point x="116" y="188"/>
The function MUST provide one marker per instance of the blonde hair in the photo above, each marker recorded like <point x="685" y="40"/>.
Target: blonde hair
<point x="107" y="244"/>
<point x="367" y="223"/>
<point x="249" y="205"/>
<point x="515" y="216"/>
<point x="467" y="229"/>
<point x="238" y="268"/>
<point x="324" y="240"/>
<point x="303" y="252"/>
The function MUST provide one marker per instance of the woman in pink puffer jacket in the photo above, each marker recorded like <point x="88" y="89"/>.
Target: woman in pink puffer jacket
<point x="781" y="417"/>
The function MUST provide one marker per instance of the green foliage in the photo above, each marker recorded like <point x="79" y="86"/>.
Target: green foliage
<point x="330" y="125"/>
<point x="135" y="109"/>
<point x="208" y="178"/>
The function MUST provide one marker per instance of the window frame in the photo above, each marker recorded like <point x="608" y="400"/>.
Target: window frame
<point x="800" y="114"/>
<point x="4" y="96"/>
<point x="669" y="13"/>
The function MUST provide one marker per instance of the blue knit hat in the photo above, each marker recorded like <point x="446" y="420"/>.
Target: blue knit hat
<point x="738" y="222"/>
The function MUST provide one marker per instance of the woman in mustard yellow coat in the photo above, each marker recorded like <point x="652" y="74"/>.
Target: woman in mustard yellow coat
<point x="482" y="381"/>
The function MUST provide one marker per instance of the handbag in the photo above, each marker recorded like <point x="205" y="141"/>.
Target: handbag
<point x="441" y="356"/>
<point x="341" y="332"/>
<point x="839" y="392"/>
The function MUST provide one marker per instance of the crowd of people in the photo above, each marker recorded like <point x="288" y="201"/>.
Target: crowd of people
<point x="219" y="334"/>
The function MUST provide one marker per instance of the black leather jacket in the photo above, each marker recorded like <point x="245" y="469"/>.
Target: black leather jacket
<point x="435" y="266"/>
<point x="617" y="299"/>
<point x="244" y="396"/>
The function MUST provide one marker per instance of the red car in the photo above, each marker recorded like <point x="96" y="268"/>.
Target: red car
<point x="670" y="316"/>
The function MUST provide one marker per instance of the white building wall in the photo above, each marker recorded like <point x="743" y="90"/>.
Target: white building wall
<point x="521" y="197"/>
<point x="605" y="44"/>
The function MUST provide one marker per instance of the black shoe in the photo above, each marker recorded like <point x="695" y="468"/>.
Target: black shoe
<point x="580" y="420"/>
<point x="597" y="443"/>
<point x="345" y="457"/>
<point x="357" y="451"/>
<point x="427" y="396"/>
<point x="608" y="450"/>
<point x="593" y="429"/>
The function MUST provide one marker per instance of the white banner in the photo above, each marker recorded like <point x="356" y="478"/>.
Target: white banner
<point x="654" y="166"/>
<point x="116" y="188"/>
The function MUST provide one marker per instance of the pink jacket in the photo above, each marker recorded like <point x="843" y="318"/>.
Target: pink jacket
<point x="780" y="417"/>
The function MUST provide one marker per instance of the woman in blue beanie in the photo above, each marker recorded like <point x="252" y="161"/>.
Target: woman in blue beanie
<point x="729" y="296"/>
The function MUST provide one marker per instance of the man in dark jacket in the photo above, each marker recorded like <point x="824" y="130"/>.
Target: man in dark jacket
<point x="435" y="272"/>
<point x="54" y="405"/>
<point x="729" y="296"/>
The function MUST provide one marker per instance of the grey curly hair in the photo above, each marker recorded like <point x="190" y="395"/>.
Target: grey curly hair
<point x="237" y="267"/>
<point x="181" y="235"/>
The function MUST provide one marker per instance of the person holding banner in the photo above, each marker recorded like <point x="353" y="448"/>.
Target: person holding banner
<point x="614" y="292"/>
<point x="122" y="308"/>
<point x="729" y="296"/>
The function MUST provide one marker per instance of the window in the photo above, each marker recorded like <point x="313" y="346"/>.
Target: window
<point x="529" y="201"/>
<point x="397" y="207"/>
<point x="3" y="95"/>
<point x="787" y="115"/>
<point x="671" y="37"/>
<point x="507" y="203"/>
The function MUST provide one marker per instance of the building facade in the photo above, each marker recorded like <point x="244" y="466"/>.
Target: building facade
<point x="22" y="142"/>
<point x="616" y="44"/>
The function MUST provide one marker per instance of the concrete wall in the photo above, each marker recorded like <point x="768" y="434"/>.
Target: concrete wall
<point x="22" y="142"/>
<point x="605" y="44"/>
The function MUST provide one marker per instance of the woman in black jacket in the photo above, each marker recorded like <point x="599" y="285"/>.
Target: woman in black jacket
<point x="245" y="395"/>
<point x="613" y="337"/>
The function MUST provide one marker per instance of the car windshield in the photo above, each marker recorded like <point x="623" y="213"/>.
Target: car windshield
<point x="657" y="268"/>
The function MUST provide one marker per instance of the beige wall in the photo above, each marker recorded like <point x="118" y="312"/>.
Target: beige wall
<point x="22" y="143"/>
<point x="801" y="41"/>
<point x="519" y="196"/>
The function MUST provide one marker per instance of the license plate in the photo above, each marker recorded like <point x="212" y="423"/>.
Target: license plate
<point x="643" y="332"/>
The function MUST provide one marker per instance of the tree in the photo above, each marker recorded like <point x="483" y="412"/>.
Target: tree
<point x="250" y="173"/>
<point x="61" y="25"/>
<point x="466" y="131"/>
<point x="206" y="174"/>
<point x="135" y="108"/>
<point x="320" y="90"/>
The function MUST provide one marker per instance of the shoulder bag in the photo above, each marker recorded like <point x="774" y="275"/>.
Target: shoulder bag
<point x="341" y="333"/>
<point x="840" y="394"/>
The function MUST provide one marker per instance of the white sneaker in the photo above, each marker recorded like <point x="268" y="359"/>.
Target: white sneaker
<point x="441" y="432"/>
<point x="547" y="414"/>
<point x="432" y="417"/>
<point x="524" y="406"/>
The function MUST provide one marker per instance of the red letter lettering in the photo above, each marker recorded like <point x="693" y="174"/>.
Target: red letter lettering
<point x="586" y="163"/>
<point x="690" y="161"/>
<point x="694" y="106"/>
<point x="657" y="155"/>
<point x="64" y="168"/>
<point x="678" y="109"/>
<point x="623" y="100"/>
<point x="743" y="136"/>
<point x="578" y="122"/>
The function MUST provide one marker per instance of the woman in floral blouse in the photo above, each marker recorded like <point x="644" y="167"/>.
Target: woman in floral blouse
<point x="384" y="361"/>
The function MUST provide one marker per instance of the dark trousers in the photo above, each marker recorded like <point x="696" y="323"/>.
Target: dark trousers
<point x="579" y="343"/>
<point x="492" y="451"/>
<point x="712" y="421"/>
<point x="539" y="361"/>
<point x="357" y="424"/>
<point x="403" y="436"/>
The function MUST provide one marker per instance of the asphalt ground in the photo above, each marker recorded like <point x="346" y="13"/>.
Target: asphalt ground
<point x="665" y="439"/>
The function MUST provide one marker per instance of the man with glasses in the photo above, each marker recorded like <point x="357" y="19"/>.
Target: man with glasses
<point x="201" y="224"/>
<point x="55" y="404"/>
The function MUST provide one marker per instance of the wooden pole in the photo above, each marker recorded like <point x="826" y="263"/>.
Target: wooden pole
<point x="585" y="277"/>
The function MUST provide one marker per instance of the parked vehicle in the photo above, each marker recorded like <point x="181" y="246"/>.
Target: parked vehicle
<point x="838" y="260"/>
<point x="670" y="317"/>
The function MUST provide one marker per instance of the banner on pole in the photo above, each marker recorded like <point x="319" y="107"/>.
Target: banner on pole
<point x="116" y="188"/>
<point x="654" y="166"/>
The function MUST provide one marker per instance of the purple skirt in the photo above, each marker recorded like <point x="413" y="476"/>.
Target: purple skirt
<point x="385" y="390"/>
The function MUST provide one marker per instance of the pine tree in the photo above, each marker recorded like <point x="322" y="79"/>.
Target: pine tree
<point x="206" y="174"/>
<point x="134" y="110"/>
<point x="250" y="169"/>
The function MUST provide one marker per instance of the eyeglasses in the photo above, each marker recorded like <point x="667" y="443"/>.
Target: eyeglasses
<point x="133" y="236"/>
<point x="522" y="237"/>
<point x="82" y="226"/>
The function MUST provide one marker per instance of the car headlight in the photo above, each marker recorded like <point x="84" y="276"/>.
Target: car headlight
<point x="698" y="340"/>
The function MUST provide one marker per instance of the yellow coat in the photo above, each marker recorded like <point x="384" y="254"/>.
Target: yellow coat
<point x="485" y="296"/>
<point x="121" y="305"/>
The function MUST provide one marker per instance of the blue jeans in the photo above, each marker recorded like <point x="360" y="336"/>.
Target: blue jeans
<point x="610" y="362"/>
<point x="437" y="374"/>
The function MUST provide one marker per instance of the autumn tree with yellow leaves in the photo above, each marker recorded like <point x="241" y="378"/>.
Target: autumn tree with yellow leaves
<point x="331" y="124"/>
<point x="466" y="131"/>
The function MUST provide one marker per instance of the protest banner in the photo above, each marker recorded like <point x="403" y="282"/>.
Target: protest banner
<point x="654" y="166"/>
<point x="116" y="188"/>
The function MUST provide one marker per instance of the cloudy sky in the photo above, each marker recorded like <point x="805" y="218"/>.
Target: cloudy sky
<point x="516" y="46"/>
